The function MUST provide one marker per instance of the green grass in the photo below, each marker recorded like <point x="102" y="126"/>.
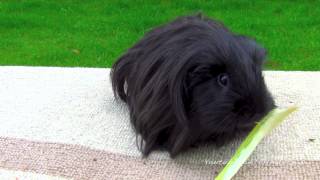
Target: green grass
<point x="93" y="33"/>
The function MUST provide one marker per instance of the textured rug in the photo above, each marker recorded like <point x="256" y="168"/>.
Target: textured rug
<point x="63" y="123"/>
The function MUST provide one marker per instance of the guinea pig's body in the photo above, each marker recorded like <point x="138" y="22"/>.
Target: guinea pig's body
<point x="191" y="81"/>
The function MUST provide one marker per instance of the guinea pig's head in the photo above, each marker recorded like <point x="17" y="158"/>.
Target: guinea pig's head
<point x="225" y="92"/>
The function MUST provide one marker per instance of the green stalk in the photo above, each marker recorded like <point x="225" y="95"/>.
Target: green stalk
<point x="263" y="128"/>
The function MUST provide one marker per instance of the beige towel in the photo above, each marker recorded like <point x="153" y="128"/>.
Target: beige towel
<point x="64" y="123"/>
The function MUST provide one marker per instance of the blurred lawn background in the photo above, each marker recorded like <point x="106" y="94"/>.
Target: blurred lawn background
<point x="93" y="33"/>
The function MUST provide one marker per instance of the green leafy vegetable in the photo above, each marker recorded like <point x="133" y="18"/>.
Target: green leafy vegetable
<point x="263" y="128"/>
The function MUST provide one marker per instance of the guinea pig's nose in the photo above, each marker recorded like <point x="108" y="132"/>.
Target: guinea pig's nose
<point x="242" y="108"/>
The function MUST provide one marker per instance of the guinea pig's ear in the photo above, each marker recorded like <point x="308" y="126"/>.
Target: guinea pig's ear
<point x="256" y="51"/>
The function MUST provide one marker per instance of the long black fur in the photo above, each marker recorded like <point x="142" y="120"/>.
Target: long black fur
<point x="191" y="81"/>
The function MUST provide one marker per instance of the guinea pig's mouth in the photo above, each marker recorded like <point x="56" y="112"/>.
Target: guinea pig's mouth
<point x="248" y="116"/>
<point x="248" y="122"/>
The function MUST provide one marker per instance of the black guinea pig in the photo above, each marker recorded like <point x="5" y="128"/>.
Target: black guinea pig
<point x="191" y="81"/>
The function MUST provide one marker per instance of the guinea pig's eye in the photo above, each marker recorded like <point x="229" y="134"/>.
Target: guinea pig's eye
<point x="223" y="79"/>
